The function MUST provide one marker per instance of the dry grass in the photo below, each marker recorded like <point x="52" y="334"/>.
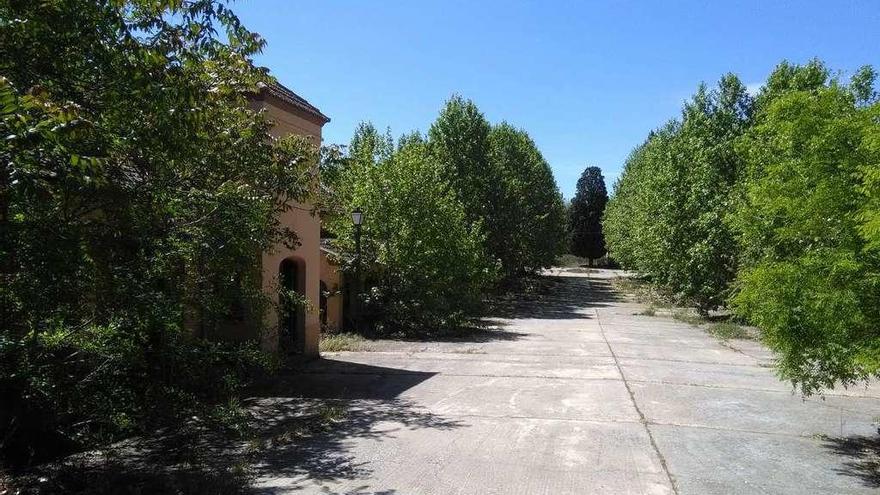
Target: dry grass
<point x="649" y="311"/>
<point x="571" y="261"/>
<point x="643" y="292"/>
<point x="689" y="316"/>
<point x="342" y="342"/>
<point x="727" y="330"/>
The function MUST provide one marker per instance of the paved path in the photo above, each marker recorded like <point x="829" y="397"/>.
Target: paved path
<point x="578" y="394"/>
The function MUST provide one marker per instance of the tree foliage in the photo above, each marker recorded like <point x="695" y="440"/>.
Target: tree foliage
<point x="528" y="227"/>
<point x="770" y="204"/>
<point x="447" y="215"/>
<point x="585" y="215"/>
<point x="423" y="262"/>
<point x="666" y="217"/>
<point x="504" y="183"/>
<point x="810" y="276"/>
<point x="137" y="191"/>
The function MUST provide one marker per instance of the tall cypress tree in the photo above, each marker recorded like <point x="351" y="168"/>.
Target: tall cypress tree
<point x="585" y="215"/>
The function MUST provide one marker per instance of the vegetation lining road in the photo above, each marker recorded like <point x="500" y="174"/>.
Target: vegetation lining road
<point x="769" y="205"/>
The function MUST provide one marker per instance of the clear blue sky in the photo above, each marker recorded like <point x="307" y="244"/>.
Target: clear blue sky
<point x="588" y="81"/>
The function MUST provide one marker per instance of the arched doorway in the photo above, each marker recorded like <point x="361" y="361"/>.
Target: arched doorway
<point x="291" y="275"/>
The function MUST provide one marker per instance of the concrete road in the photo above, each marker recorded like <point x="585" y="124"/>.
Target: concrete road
<point x="575" y="393"/>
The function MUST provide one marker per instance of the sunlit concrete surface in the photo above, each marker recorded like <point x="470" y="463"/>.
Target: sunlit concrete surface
<point x="575" y="393"/>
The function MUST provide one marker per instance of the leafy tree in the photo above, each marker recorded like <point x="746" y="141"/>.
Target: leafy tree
<point x="781" y="193"/>
<point x="585" y="215"/>
<point x="528" y="227"/>
<point x="807" y="226"/>
<point x="667" y="215"/>
<point x="459" y="139"/>
<point x="137" y="191"/>
<point x="707" y="254"/>
<point x="423" y="261"/>
<point x="368" y="146"/>
<point x="504" y="183"/>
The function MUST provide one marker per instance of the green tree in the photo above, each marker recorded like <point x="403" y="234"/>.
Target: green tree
<point x="667" y="215"/>
<point x="807" y="226"/>
<point x="639" y="217"/>
<point x="528" y="227"/>
<point x="423" y="261"/>
<point x="368" y="146"/>
<point x="585" y="215"/>
<point x="137" y="191"/>
<point x="459" y="139"/>
<point x="504" y="183"/>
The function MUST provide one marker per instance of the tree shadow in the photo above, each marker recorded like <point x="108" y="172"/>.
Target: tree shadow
<point x="300" y="428"/>
<point x="295" y="452"/>
<point x="189" y="460"/>
<point x="863" y="455"/>
<point x="350" y="404"/>
<point x="558" y="296"/>
<point x="478" y="331"/>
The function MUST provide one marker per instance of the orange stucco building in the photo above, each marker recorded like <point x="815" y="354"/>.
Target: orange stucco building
<point x="297" y="331"/>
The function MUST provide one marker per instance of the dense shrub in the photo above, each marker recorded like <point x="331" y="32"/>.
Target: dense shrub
<point x="137" y="191"/>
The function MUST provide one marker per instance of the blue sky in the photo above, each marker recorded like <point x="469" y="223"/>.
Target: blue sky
<point x="587" y="80"/>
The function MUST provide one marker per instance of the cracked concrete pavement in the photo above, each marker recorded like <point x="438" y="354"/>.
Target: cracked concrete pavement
<point x="576" y="394"/>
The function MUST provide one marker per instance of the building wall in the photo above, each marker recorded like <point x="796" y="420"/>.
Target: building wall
<point x="307" y="226"/>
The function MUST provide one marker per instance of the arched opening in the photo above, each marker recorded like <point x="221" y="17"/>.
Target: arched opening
<point x="291" y="275"/>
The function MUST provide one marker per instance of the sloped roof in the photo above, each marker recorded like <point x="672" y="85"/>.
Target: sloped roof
<point x="287" y="95"/>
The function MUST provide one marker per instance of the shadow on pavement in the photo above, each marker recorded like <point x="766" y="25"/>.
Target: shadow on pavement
<point x="556" y="297"/>
<point x="299" y="427"/>
<point x="307" y="422"/>
<point x="291" y="453"/>
<point x="481" y="331"/>
<point x="863" y="457"/>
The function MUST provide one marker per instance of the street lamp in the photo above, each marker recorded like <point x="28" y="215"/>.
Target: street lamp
<point x="357" y="218"/>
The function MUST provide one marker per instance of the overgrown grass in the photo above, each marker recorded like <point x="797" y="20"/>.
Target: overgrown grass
<point x="649" y="311"/>
<point x="727" y="330"/>
<point x="342" y="342"/>
<point x="689" y="316"/>
<point x="643" y="292"/>
<point x="571" y="261"/>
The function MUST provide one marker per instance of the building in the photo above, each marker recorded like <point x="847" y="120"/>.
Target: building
<point x="332" y="307"/>
<point x="296" y="330"/>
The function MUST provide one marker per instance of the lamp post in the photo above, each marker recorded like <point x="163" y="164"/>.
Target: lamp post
<point x="357" y="218"/>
